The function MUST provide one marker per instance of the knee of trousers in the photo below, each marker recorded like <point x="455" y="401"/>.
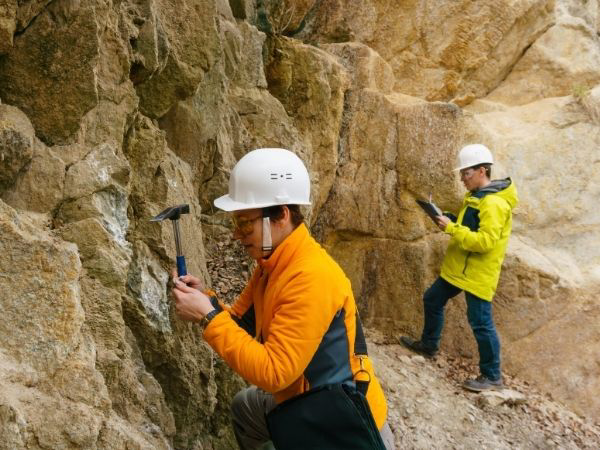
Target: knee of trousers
<point x="478" y="325"/>
<point x="239" y="404"/>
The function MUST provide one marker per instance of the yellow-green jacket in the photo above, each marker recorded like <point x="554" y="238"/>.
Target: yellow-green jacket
<point x="479" y="238"/>
<point x="294" y="325"/>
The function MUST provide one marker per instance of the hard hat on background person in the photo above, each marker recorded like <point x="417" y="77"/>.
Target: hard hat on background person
<point x="266" y="177"/>
<point x="473" y="155"/>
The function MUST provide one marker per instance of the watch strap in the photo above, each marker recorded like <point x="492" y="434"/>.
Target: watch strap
<point x="210" y="316"/>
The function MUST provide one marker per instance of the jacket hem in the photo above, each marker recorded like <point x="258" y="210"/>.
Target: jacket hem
<point x="466" y="288"/>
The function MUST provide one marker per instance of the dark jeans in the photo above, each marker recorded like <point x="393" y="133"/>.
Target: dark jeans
<point x="479" y="313"/>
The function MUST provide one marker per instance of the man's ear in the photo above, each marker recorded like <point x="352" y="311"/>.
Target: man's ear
<point x="284" y="218"/>
<point x="287" y="215"/>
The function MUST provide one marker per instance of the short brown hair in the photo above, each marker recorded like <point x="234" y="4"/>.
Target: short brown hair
<point x="488" y="169"/>
<point x="276" y="213"/>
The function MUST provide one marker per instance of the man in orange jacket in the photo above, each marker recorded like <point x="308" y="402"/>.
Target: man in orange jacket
<point x="294" y="325"/>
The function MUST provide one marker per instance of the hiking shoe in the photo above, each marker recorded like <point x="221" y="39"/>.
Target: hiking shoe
<point x="418" y="347"/>
<point x="482" y="383"/>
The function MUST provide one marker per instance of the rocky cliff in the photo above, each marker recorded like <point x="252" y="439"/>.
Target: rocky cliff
<point x="113" y="110"/>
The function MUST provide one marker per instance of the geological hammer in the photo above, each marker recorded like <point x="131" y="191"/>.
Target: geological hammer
<point x="173" y="214"/>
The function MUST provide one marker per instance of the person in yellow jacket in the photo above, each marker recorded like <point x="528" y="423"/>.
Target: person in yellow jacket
<point x="473" y="260"/>
<point x="294" y="325"/>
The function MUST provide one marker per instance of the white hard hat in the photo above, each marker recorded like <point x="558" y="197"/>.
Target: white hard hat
<point x="266" y="177"/>
<point x="473" y="155"/>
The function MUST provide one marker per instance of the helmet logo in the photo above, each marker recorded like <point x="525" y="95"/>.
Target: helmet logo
<point x="276" y="176"/>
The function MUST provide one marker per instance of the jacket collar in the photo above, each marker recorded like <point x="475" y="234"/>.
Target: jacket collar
<point x="283" y="253"/>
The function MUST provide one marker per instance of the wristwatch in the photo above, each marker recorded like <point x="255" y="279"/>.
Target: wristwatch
<point x="207" y="318"/>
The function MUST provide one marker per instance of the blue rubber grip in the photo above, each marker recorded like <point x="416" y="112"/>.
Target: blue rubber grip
<point x="181" y="270"/>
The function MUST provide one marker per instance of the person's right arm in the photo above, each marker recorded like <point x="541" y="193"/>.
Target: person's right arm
<point x="493" y="213"/>
<point x="302" y="315"/>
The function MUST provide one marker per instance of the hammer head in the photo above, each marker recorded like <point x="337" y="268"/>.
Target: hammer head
<point x="172" y="213"/>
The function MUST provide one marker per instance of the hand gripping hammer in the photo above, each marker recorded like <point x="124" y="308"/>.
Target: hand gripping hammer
<point x="174" y="213"/>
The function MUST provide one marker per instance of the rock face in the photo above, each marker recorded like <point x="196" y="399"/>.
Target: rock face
<point x="174" y="44"/>
<point x="16" y="144"/>
<point x="8" y="24"/>
<point x="112" y="111"/>
<point x="50" y="324"/>
<point x="455" y="50"/>
<point x="310" y="84"/>
<point x="564" y="61"/>
<point x="49" y="360"/>
<point x="39" y="74"/>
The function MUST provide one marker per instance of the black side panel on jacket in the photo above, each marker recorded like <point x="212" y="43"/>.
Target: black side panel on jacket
<point x="247" y="321"/>
<point x="331" y="362"/>
<point x="471" y="218"/>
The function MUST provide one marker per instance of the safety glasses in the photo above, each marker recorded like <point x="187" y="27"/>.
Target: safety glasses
<point x="467" y="173"/>
<point x="243" y="225"/>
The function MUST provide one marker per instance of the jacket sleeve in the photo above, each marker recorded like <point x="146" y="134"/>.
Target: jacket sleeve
<point x="493" y="213"/>
<point x="302" y="314"/>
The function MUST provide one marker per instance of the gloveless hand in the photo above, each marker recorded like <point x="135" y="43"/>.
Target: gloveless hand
<point x="190" y="280"/>
<point x="442" y="222"/>
<point x="190" y="304"/>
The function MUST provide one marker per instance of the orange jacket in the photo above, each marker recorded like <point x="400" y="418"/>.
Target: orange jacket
<point x="305" y="318"/>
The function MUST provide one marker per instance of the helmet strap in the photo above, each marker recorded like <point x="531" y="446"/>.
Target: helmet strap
<point x="267" y="242"/>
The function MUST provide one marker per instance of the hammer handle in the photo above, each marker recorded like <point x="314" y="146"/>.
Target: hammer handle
<point x="181" y="270"/>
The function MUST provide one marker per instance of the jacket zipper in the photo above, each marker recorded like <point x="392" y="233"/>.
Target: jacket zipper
<point x="466" y="261"/>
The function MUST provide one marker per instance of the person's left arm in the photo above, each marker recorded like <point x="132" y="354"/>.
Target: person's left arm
<point x="492" y="217"/>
